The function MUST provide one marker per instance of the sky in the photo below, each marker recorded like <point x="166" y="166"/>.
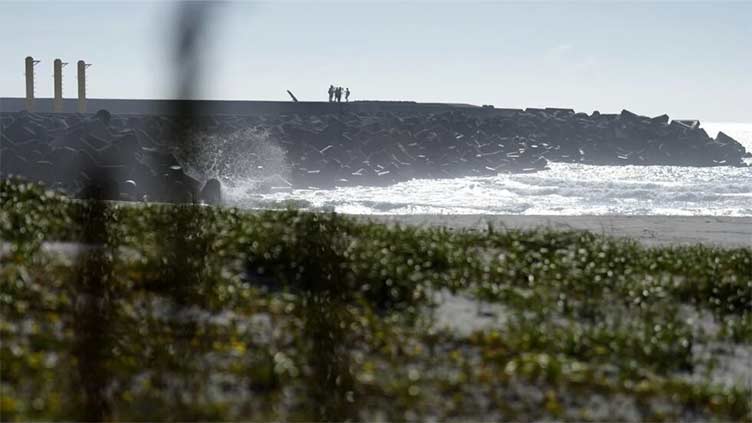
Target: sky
<point x="691" y="60"/>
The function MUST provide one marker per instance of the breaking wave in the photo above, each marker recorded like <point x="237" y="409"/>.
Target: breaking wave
<point x="246" y="160"/>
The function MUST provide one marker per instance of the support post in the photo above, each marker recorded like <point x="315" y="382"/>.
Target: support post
<point x="82" y="86"/>
<point x="57" y="103"/>
<point x="29" y="67"/>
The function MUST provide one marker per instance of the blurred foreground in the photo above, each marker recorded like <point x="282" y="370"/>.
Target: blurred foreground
<point x="302" y="316"/>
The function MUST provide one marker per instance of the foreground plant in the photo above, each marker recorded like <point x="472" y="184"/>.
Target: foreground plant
<point x="189" y="312"/>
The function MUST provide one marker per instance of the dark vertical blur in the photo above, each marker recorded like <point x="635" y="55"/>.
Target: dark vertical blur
<point x="92" y="318"/>
<point x="192" y="25"/>
<point x="185" y="243"/>
<point x="327" y="320"/>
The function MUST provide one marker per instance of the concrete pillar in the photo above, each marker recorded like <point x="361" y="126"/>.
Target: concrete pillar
<point x="30" y="63"/>
<point x="82" y="85"/>
<point x="57" y="102"/>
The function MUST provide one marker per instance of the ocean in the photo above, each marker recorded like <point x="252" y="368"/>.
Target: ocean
<point x="563" y="189"/>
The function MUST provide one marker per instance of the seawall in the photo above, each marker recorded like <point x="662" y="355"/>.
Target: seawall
<point x="234" y="107"/>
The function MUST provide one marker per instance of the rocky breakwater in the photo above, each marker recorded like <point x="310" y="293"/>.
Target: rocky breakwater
<point x="138" y="155"/>
<point x="621" y="139"/>
<point x="384" y="148"/>
<point x="124" y="158"/>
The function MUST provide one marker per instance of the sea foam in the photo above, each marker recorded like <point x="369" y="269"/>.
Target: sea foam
<point x="563" y="189"/>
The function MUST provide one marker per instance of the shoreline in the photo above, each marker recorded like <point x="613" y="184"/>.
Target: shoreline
<point x="726" y="232"/>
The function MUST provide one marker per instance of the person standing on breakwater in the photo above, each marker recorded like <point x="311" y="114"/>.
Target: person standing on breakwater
<point x="347" y="95"/>
<point x="338" y="94"/>
<point x="331" y="93"/>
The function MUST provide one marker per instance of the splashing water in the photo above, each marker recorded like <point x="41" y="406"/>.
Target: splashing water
<point x="246" y="160"/>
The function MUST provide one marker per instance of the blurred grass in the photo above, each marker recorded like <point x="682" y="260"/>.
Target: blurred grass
<point x="302" y="316"/>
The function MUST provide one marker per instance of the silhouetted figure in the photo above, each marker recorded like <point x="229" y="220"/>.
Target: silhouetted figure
<point x="331" y="93"/>
<point x="338" y="94"/>
<point x="347" y="95"/>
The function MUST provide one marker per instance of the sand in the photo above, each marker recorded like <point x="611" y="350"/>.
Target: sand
<point x="727" y="232"/>
<point x="649" y="230"/>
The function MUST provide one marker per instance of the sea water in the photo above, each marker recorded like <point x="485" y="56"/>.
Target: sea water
<point x="562" y="189"/>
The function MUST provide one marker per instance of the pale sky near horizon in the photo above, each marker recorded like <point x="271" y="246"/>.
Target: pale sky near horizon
<point x="690" y="60"/>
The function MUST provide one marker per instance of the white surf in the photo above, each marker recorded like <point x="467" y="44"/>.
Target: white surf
<point x="564" y="189"/>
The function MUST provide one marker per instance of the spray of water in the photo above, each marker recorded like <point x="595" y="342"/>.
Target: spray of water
<point x="247" y="162"/>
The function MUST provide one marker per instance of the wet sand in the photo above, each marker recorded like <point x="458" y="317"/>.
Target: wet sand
<point x="649" y="230"/>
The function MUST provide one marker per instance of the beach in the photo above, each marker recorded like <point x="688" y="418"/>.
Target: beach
<point x="729" y="232"/>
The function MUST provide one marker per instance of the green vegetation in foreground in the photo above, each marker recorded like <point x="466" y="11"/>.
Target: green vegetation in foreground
<point x="188" y="312"/>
